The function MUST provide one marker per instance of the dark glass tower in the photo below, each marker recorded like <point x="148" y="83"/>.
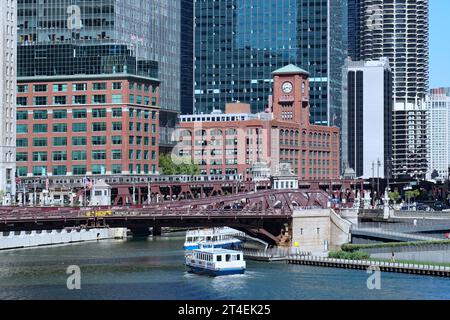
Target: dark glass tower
<point x="187" y="56"/>
<point x="150" y="30"/>
<point x="238" y="43"/>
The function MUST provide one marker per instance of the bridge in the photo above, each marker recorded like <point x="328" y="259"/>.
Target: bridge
<point x="263" y="214"/>
<point x="148" y="189"/>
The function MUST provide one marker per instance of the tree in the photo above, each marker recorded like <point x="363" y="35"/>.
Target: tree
<point x="412" y="194"/>
<point x="394" y="196"/>
<point x="181" y="166"/>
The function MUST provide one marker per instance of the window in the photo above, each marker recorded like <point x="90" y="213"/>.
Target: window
<point x="60" y="88"/>
<point x="153" y="101"/>
<point x="22" y="171"/>
<point x="99" y="126"/>
<point x="79" y="114"/>
<point x="98" y="141"/>
<point x="139" y="100"/>
<point x="79" y="87"/>
<point x="117" y="85"/>
<point x="40" y="88"/>
<point x="117" y="140"/>
<point x="98" y="169"/>
<point x="60" y="141"/>
<point x="117" y="126"/>
<point x="99" y="99"/>
<point x="117" y="98"/>
<point x="79" y="127"/>
<point x="22" y="88"/>
<point x="117" y="113"/>
<point x="22" y="156"/>
<point x="79" y="99"/>
<point x="79" y="170"/>
<point x="40" y="128"/>
<point x="98" y="155"/>
<point x="117" y="154"/>
<point x="40" y="142"/>
<point x="60" y="100"/>
<point x="40" y="156"/>
<point x="99" y="113"/>
<point x="60" y="127"/>
<point x="59" y="156"/>
<point x="79" y="141"/>
<point x="22" y="143"/>
<point x="116" y="169"/>
<point x="79" y="156"/>
<point x="22" y="101"/>
<point x="40" y="171"/>
<point x="39" y="101"/>
<point x="132" y="98"/>
<point x="59" y="170"/>
<point x="97" y="86"/>
<point x="22" y="115"/>
<point x="40" y="115"/>
<point x="60" y="114"/>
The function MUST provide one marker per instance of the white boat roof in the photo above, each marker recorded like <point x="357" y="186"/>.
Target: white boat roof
<point x="217" y="251"/>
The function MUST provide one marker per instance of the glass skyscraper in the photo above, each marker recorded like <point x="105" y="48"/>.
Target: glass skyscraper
<point x="150" y="30"/>
<point x="238" y="43"/>
<point x="187" y="56"/>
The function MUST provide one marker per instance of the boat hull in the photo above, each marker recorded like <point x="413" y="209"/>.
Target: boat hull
<point x="215" y="273"/>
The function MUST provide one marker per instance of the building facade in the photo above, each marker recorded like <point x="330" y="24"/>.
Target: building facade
<point x="87" y="126"/>
<point x="187" y="56"/>
<point x="399" y="30"/>
<point x="8" y="58"/>
<point x="438" y="108"/>
<point x="149" y="29"/>
<point x="367" y="113"/>
<point x="234" y="141"/>
<point x="239" y="43"/>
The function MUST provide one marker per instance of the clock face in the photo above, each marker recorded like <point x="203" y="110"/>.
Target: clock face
<point x="287" y="87"/>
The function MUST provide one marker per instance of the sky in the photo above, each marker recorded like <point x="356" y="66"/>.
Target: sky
<point x="439" y="43"/>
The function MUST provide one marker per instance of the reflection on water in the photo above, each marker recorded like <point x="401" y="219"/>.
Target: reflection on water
<point x="154" y="269"/>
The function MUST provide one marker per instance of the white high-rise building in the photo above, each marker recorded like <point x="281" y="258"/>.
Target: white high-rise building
<point x="367" y="118"/>
<point x="438" y="105"/>
<point x="8" y="50"/>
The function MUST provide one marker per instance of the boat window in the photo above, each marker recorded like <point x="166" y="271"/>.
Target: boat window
<point x="219" y="258"/>
<point x="228" y="257"/>
<point x="238" y="257"/>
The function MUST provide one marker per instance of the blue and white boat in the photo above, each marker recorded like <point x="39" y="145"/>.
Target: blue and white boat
<point x="225" y="238"/>
<point x="215" y="262"/>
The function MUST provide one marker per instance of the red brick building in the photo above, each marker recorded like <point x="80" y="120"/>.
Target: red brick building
<point x="230" y="142"/>
<point x="89" y="125"/>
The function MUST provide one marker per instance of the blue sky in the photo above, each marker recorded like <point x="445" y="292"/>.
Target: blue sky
<point x="439" y="43"/>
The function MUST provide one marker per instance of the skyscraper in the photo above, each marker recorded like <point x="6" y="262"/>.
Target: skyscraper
<point x="239" y="43"/>
<point x="398" y="30"/>
<point x="367" y="118"/>
<point x="150" y="29"/>
<point x="8" y="22"/>
<point x="438" y="108"/>
<point x="187" y="56"/>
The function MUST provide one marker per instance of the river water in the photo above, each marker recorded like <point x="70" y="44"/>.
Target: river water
<point x="152" y="269"/>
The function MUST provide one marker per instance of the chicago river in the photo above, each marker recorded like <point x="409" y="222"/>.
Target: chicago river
<point x="153" y="268"/>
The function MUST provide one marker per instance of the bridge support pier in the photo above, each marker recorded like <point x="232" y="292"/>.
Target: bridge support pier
<point x="140" y="232"/>
<point x="156" y="231"/>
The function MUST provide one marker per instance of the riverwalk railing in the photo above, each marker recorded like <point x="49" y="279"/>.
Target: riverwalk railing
<point x="274" y="254"/>
<point x="420" y="269"/>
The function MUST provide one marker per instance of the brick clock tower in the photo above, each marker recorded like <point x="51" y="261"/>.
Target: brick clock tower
<point x="291" y="95"/>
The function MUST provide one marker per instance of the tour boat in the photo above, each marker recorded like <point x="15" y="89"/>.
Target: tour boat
<point x="215" y="262"/>
<point x="224" y="238"/>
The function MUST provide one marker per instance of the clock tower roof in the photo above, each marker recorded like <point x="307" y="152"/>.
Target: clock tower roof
<point x="290" y="69"/>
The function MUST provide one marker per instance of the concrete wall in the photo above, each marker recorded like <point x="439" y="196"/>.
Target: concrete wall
<point x="23" y="239"/>
<point x="319" y="229"/>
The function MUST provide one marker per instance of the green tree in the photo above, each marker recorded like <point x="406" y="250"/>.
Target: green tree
<point x="412" y="194"/>
<point x="181" y="166"/>
<point x="394" y="196"/>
